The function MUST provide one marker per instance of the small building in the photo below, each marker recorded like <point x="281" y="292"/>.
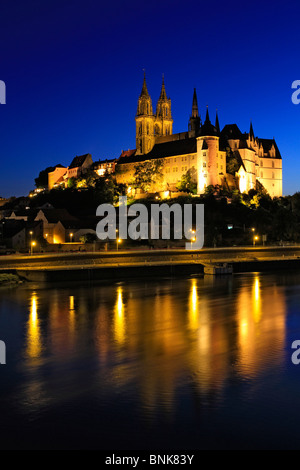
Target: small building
<point x="56" y="177"/>
<point x="53" y="220"/>
<point x="105" y="166"/>
<point x="79" y="166"/>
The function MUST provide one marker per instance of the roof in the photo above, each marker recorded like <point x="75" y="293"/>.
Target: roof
<point x="239" y="159"/>
<point x="127" y="153"/>
<point x="267" y="145"/>
<point x="55" y="215"/>
<point x="231" y="131"/>
<point x="207" y="129"/>
<point x="163" y="150"/>
<point x="12" y="227"/>
<point x="78" y="161"/>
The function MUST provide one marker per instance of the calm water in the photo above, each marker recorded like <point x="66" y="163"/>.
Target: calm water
<point x="179" y="364"/>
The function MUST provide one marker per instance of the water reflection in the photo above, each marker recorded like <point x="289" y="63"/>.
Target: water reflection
<point x="34" y="341"/>
<point x="157" y="339"/>
<point x="119" y="317"/>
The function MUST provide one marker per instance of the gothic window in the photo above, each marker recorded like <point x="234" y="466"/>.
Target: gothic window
<point x="148" y="129"/>
<point x="166" y="111"/>
<point x="273" y="165"/>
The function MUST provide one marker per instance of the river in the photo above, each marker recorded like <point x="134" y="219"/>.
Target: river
<point x="194" y="363"/>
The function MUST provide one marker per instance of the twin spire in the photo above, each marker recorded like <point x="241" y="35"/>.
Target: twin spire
<point x="162" y="97"/>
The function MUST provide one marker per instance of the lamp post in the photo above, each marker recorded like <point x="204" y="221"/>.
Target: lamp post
<point x="118" y="242"/>
<point x="255" y="239"/>
<point x="71" y="237"/>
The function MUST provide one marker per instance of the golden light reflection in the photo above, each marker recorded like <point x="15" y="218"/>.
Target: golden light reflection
<point x="257" y="311"/>
<point x="119" y="319"/>
<point x="261" y="325"/>
<point x="193" y="307"/>
<point x="34" y="344"/>
<point x="72" y="313"/>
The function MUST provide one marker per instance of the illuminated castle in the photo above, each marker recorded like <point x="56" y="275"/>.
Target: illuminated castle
<point x="204" y="148"/>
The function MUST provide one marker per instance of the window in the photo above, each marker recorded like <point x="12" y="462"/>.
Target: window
<point x="273" y="165"/>
<point x="273" y="176"/>
<point x="261" y="163"/>
<point x="204" y="164"/>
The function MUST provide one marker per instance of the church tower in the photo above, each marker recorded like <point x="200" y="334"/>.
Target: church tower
<point x="144" y="122"/>
<point x="195" y="120"/>
<point x="163" y="118"/>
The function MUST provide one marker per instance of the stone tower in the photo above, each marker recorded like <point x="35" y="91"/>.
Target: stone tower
<point x="163" y="118"/>
<point x="144" y="122"/>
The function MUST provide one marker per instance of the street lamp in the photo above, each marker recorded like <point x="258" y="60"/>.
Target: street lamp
<point x="118" y="241"/>
<point x="71" y="237"/>
<point x="31" y="246"/>
<point x="255" y="239"/>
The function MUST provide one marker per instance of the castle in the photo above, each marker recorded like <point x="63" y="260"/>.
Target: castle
<point x="204" y="148"/>
<point x="227" y="157"/>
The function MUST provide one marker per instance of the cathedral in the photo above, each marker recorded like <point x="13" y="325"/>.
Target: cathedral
<point x="204" y="149"/>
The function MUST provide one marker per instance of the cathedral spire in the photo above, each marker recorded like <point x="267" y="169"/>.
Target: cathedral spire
<point x="163" y="117"/>
<point x="217" y="125"/>
<point x="194" y="122"/>
<point x="163" y="94"/>
<point x="144" y="91"/>
<point x="251" y="133"/>
<point x="195" y="112"/>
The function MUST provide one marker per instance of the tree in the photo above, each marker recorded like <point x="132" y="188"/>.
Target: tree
<point x="42" y="180"/>
<point x="188" y="182"/>
<point x="148" y="173"/>
<point x="87" y="180"/>
<point x="232" y="164"/>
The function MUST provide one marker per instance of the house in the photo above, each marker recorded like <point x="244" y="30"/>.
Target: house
<point x="56" y="177"/>
<point x="53" y="220"/>
<point x="79" y="166"/>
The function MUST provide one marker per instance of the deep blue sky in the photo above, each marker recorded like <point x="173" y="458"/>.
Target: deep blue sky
<point x="73" y="71"/>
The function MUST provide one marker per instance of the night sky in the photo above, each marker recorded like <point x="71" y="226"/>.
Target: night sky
<point x="74" y="70"/>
